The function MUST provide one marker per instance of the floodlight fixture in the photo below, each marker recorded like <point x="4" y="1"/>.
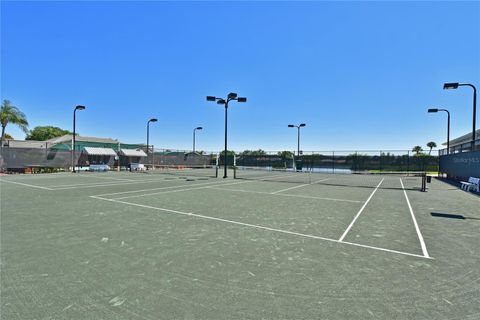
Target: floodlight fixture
<point x="301" y="125"/>
<point x="231" y="96"/>
<point x="434" y="110"/>
<point x="74" y="162"/>
<point x="450" y="85"/>
<point x="148" y="137"/>
<point x="455" y="85"/>
<point x="195" y="129"/>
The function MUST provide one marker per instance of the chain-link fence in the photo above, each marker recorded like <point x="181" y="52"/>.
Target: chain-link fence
<point x="59" y="157"/>
<point x="341" y="161"/>
<point x="187" y="158"/>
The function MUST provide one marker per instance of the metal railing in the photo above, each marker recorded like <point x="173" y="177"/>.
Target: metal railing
<point x="459" y="148"/>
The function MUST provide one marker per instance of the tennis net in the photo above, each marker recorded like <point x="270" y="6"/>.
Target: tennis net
<point x="183" y="171"/>
<point x="389" y="180"/>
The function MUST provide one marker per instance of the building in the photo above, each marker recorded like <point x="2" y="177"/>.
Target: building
<point x="56" y="153"/>
<point x="463" y="143"/>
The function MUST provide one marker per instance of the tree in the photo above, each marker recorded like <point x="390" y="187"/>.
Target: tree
<point x="8" y="137"/>
<point x="253" y="153"/>
<point x="11" y="114"/>
<point x="431" y="145"/>
<point x="230" y="153"/>
<point x="285" y="154"/>
<point x="417" y="150"/>
<point x="42" y="133"/>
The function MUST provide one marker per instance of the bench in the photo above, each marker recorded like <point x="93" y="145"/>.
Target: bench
<point x="473" y="183"/>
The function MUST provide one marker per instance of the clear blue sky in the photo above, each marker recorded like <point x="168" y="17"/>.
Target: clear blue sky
<point x="361" y="74"/>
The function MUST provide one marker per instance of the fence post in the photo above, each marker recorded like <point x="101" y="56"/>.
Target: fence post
<point x="118" y="155"/>
<point x="380" y="161"/>
<point x="355" y="161"/>
<point x="408" y="162"/>
<point x="333" y="161"/>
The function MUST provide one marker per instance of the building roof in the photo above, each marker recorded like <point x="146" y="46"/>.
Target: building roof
<point x="25" y="144"/>
<point x="463" y="139"/>
<point x="99" y="151"/>
<point x="68" y="137"/>
<point x="133" y="152"/>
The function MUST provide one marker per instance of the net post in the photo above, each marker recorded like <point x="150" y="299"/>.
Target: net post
<point x="424" y="181"/>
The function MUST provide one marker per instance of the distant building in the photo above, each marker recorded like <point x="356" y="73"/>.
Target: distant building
<point x="464" y="143"/>
<point x="56" y="153"/>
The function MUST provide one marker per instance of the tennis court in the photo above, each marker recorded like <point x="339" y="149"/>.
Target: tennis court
<point x="125" y="245"/>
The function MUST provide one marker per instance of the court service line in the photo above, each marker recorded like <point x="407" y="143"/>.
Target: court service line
<point x="261" y="227"/>
<point x="118" y="179"/>
<point x="419" y="234"/>
<point x="180" y="190"/>
<point x="286" y="189"/>
<point x="27" y="185"/>
<point x="107" y="184"/>
<point x="160" y="188"/>
<point x="152" y="189"/>
<point x="359" y="212"/>
<point x="286" y="195"/>
<point x="295" y="187"/>
<point x="321" y="180"/>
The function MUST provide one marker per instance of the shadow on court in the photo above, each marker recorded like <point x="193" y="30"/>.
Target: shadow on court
<point x="452" y="216"/>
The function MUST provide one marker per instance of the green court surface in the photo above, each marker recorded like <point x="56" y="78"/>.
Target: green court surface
<point x="139" y="246"/>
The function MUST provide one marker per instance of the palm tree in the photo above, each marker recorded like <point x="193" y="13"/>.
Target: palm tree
<point x="11" y="114"/>
<point x="417" y="150"/>
<point x="431" y="145"/>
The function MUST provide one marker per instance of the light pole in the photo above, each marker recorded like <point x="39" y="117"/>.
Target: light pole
<point x="231" y="96"/>
<point x="448" y="125"/>
<point x="74" y="133"/>
<point x="197" y="128"/>
<point x="298" y="136"/>
<point x="148" y="136"/>
<point x="455" y="85"/>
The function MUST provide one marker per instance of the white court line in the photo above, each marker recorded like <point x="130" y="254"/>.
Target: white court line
<point x="119" y="179"/>
<point x="262" y="227"/>
<point x="160" y="188"/>
<point x="143" y="206"/>
<point x="107" y="184"/>
<point x="286" y="195"/>
<point x="269" y="177"/>
<point x="321" y="180"/>
<point x="420" y="237"/>
<point x="27" y="185"/>
<point x="302" y="185"/>
<point x="359" y="212"/>
<point x="180" y="190"/>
